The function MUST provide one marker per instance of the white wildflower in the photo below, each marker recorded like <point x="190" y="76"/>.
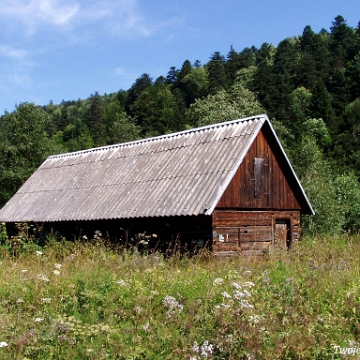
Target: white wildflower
<point x="254" y="319"/>
<point x="45" y="300"/>
<point x="39" y="253"/>
<point x="249" y="284"/>
<point x="218" y="281"/>
<point x="24" y="271"/>
<point x="146" y="326"/>
<point x="236" y="286"/>
<point x="195" y="347"/>
<point x="3" y="344"/>
<point x="43" y="277"/>
<point x="71" y="257"/>
<point x="121" y="282"/>
<point x="20" y="301"/>
<point x="56" y="272"/>
<point x="97" y="234"/>
<point x="226" y="295"/>
<point x="84" y="237"/>
<point x="172" y="305"/>
<point x="245" y="304"/>
<point x="226" y="306"/>
<point x="39" y="319"/>
<point x="238" y="295"/>
<point x="247" y="293"/>
<point x="58" y="266"/>
<point x="206" y="349"/>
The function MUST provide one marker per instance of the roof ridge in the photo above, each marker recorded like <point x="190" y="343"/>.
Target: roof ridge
<point x="160" y="137"/>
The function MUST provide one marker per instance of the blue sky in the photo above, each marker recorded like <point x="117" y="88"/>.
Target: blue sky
<point x="68" y="49"/>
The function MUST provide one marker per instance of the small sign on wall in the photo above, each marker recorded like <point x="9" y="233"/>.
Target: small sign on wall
<point x="222" y="237"/>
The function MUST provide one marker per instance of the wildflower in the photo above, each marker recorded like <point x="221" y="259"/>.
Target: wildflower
<point x="247" y="293"/>
<point x="58" y="266"/>
<point x="249" y="284"/>
<point x="206" y="349"/>
<point x="238" y="295"/>
<point x="195" y="347"/>
<point x="61" y="338"/>
<point x="43" y="277"/>
<point x="218" y="281"/>
<point x="172" y="304"/>
<point x="3" y="344"/>
<point x="254" y="319"/>
<point x="226" y="295"/>
<point x="24" y="271"/>
<point x="71" y="257"/>
<point x="45" y="300"/>
<point x="39" y="319"/>
<point x="121" y="282"/>
<point x="84" y="237"/>
<point x="246" y="305"/>
<point x="236" y="285"/>
<point x="146" y="326"/>
<point x="265" y="277"/>
<point x="97" y="234"/>
<point x="20" y="301"/>
<point x="39" y="253"/>
<point x="56" y="272"/>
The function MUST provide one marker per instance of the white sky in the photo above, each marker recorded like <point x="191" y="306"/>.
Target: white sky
<point x="68" y="49"/>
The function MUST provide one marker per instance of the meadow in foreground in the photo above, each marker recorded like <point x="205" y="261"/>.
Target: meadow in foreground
<point x="69" y="300"/>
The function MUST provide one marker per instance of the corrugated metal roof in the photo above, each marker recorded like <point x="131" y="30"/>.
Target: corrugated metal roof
<point x="172" y="175"/>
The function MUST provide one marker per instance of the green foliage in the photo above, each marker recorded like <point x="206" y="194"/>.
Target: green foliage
<point x="236" y="103"/>
<point x="348" y="192"/>
<point x="317" y="178"/>
<point x="87" y="301"/>
<point x="24" y="144"/>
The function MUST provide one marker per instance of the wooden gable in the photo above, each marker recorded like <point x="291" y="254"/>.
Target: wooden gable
<point x="261" y="181"/>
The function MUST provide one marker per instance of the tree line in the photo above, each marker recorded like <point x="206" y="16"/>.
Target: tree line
<point x="308" y="85"/>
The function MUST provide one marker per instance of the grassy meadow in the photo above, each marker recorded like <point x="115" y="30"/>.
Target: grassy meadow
<point x="68" y="300"/>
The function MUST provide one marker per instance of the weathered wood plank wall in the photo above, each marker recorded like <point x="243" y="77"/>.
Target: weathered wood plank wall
<point x="252" y="231"/>
<point x="266" y="188"/>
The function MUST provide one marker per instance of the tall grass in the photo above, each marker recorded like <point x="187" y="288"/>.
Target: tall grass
<point x="76" y="301"/>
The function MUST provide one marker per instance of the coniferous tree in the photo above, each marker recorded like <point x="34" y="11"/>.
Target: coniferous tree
<point x="95" y="120"/>
<point x="217" y="73"/>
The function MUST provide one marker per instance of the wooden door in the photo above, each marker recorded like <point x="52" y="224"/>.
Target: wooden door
<point x="282" y="235"/>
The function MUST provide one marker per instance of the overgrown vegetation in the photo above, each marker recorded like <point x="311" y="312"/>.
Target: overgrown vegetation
<point x="72" y="300"/>
<point x="308" y="85"/>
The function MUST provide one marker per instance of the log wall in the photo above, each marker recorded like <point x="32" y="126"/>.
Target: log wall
<point x="251" y="232"/>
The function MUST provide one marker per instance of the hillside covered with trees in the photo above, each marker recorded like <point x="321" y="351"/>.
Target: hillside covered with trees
<point x="308" y="85"/>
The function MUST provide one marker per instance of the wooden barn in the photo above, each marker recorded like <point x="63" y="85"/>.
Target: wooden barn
<point x="228" y="185"/>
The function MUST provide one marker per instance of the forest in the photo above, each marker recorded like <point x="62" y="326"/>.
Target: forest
<point x="308" y="85"/>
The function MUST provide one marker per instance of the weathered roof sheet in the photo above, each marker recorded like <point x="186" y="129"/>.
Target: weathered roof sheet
<point x="184" y="173"/>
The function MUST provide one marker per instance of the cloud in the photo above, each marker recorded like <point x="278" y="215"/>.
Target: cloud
<point x="82" y="18"/>
<point x="13" y="53"/>
<point x="35" y="13"/>
<point x="118" y="17"/>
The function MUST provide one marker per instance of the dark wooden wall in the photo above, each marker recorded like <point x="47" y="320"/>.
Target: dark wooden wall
<point x="252" y="232"/>
<point x="262" y="204"/>
<point x="261" y="182"/>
